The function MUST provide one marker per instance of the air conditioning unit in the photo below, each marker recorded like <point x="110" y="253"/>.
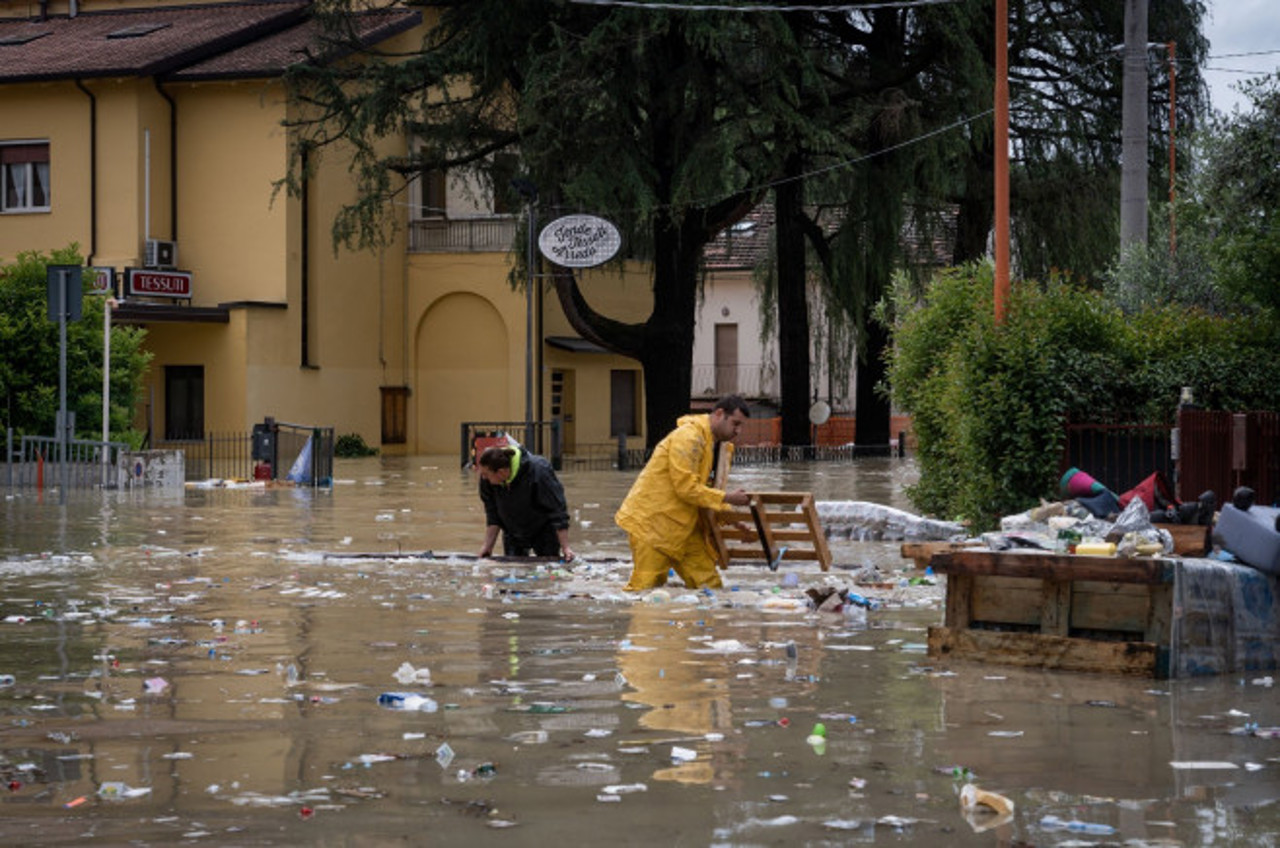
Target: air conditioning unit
<point x="161" y="254"/>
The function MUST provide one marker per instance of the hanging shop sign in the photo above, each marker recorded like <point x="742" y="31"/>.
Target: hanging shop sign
<point x="579" y="241"/>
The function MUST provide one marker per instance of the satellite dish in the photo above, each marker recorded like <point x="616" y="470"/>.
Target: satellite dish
<point x="819" y="413"/>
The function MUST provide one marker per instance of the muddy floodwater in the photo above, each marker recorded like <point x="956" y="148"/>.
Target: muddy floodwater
<point x="232" y="666"/>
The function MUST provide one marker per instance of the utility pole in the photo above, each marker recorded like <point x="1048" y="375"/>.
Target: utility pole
<point x="1133" y="114"/>
<point x="1173" y="151"/>
<point x="1001" y="293"/>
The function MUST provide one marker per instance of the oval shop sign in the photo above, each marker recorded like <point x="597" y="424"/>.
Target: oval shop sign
<point x="579" y="241"/>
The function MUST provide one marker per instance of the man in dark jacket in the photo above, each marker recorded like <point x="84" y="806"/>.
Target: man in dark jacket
<point x="524" y="499"/>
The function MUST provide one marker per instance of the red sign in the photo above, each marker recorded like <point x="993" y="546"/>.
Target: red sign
<point x="158" y="283"/>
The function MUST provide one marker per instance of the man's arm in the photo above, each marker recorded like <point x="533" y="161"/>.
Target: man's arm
<point x="684" y="462"/>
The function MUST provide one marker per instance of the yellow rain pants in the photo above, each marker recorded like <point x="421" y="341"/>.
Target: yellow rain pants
<point x="660" y="513"/>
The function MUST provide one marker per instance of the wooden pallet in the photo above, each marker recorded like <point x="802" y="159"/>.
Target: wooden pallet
<point x="787" y="529"/>
<point x="1078" y="613"/>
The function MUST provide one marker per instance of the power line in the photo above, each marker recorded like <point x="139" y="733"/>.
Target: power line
<point x="755" y="7"/>
<point x="1238" y="55"/>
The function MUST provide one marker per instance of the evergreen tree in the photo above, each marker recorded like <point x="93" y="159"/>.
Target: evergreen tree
<point x="642" y="116"/>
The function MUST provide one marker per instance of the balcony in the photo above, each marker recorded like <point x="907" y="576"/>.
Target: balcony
<point x="462" y="235"/>
<point x="753" y="381"/>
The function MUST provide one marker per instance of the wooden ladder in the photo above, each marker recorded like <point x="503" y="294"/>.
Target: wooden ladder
<point x="776" y="526"/>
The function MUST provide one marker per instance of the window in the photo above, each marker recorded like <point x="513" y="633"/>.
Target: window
<point x="24" y="168"/>
<point x="431" y="194"/>
<point x="183" y="402"/>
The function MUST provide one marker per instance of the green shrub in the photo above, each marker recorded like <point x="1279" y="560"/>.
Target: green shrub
<point x="352" y="445"/>
<point x="989" y="404"/>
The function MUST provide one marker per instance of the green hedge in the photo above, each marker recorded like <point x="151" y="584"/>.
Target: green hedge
<point x="989" y="404"/>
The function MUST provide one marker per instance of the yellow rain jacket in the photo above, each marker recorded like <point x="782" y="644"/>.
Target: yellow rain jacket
<point x="662" y="507"/>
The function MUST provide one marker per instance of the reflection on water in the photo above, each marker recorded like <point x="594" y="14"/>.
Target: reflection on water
<point x="221" y="652"/>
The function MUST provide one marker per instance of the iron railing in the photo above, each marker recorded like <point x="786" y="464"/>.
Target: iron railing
<point x="47" y="462"/>
<point x="294" y="452"/>
<point x="462" y="235"/>
<point x="1120" y="456"/>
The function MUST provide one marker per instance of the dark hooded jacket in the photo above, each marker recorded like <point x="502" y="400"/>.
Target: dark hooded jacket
<point x="528" y="501"/>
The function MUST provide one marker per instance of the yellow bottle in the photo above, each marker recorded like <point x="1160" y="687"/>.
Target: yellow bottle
<point x="1096" y="549"/>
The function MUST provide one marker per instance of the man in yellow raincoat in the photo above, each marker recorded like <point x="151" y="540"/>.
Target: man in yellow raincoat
<point x="660" y="513"/>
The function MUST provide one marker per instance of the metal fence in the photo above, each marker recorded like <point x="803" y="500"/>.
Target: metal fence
<point x="223" y="456"/>
<point x="1206" y="451"/>
<point x="46" y="462"/>
<point x="540" y="437"/>
<point x="1120" y="456"/>
<point x="1220" y="451"/>
<point x="274" y="450"/>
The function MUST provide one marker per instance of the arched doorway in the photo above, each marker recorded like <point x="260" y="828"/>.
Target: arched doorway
<point x="462" y="357"/>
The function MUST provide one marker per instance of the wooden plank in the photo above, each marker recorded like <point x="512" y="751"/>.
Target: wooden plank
<point x="1055" y="608"/>
<point x="959" y="600"/>
<point x="1006" y="600"/>
<point x="1039" y="650"/>
<point x="820" y="547"/>
<point x="1160" y="615"/>
<point x="711" y="525"/>
<point x="1054" y="566"/>
<point x="921" y="552"/>
<point x="1111" y="606"/>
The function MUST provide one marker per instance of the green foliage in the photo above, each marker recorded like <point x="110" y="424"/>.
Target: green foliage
<point x="1232" y="201"/>
<point x="989" y="403"/>
<point x="29" y="369"/>
<point x="1149" y="275"/>
<point x="352" y="445"/>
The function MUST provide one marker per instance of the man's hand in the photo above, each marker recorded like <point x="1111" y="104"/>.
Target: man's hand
<point x="737" y="497"/>
<point x="484" y="554"/>
<point x="566" y="555"/>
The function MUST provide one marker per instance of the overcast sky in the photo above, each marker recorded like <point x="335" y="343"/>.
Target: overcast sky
<point x="1239" y="26"/>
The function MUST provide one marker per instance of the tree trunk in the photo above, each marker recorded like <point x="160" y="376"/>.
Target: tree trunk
<point x="793" y="305"/>
<point x="667" y="356"/>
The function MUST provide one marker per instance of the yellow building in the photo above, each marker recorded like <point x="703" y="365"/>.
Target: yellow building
<point x="153" y="136"/>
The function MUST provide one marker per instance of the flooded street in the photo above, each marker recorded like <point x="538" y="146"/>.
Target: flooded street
<point x="219" y="666"/>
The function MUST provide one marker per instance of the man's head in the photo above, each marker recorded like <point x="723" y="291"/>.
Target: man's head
<point x="494" y="465"/>
<point x="728" y="416"/>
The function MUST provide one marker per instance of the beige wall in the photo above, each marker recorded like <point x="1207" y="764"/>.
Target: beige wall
<point x="447" y="326"/>
<point x="57" y="113"/>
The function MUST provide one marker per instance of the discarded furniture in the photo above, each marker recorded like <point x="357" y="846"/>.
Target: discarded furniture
<point x="776" y="526"/>
<point x="1100" y="614"/>
<point x="1154" y="617"/>
<point x="1189" y="540"/>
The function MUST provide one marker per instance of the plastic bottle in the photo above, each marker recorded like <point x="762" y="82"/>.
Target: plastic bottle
<point x="1096" y="549"/>
<point x="1076" y="826"/>
<point x="407" y="701"/>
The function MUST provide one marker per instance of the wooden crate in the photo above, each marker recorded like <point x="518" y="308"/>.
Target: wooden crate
<point x="1078" y="613"/>
<point x="788" y="529"/>
<point x="1189" y="540"/>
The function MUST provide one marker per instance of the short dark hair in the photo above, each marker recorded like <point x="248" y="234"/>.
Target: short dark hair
<point x="496" y="458"/>
<point x="731" y="404"/>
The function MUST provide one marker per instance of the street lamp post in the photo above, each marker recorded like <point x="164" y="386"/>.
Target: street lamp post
<point x="529" y="192"/>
